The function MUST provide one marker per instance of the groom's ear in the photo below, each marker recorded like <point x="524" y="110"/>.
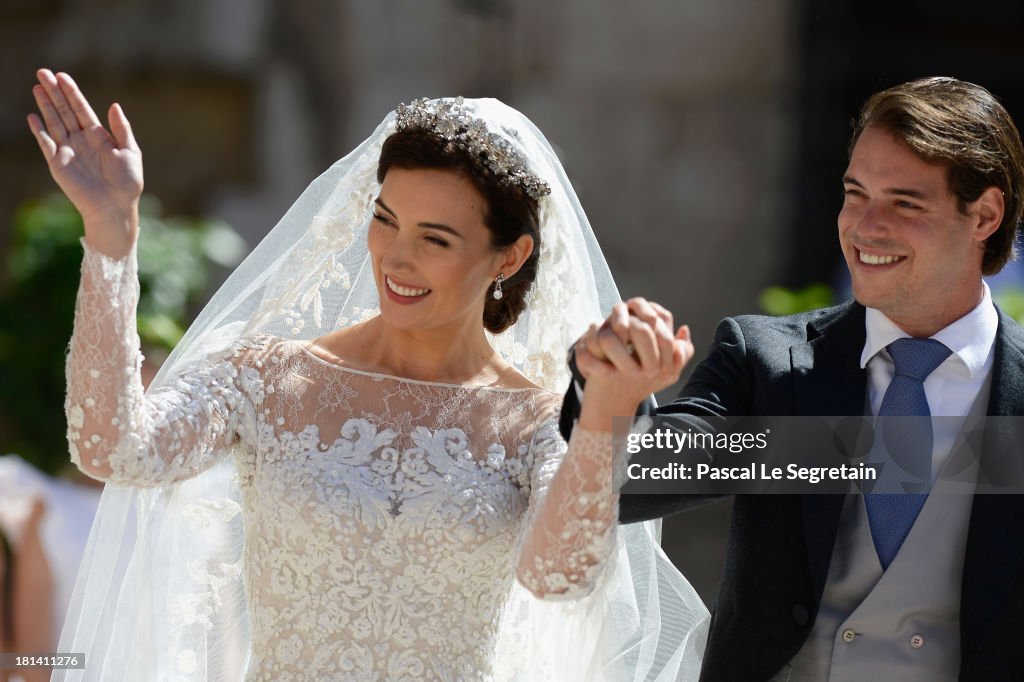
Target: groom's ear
<point x="516" y="255"/>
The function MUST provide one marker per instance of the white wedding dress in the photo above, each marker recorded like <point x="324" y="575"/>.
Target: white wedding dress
<point x="383" y="517"/>
<point x="277" y="515"/>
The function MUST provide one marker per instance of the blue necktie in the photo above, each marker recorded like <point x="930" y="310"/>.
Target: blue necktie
<point x="903" y="446"/>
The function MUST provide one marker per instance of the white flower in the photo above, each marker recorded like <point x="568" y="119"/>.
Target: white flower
<point x="76" y="417"/>
<point x="290" y="649"/>
<point x="495" y="454"/>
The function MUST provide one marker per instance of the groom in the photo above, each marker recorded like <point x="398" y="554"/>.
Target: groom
<point x="832" y="587"/>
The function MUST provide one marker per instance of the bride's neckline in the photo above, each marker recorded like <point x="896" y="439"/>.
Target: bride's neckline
<point x="308" y="350"/>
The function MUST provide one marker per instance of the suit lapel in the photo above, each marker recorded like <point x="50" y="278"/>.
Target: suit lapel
<point x="995" y="540"/>
<point x="828" y="381"/>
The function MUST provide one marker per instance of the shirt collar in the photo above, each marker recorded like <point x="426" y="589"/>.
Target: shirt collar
<point x="970" y="338"/>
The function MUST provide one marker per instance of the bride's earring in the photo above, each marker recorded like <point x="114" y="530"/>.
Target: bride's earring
<point x="497" y="287"/>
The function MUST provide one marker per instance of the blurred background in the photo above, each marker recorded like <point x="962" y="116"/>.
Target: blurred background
<point x="705" y="138"/>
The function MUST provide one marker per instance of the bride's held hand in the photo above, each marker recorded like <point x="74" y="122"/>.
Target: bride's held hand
<point x="632" y="354"/>
<point x="99" y="171"/>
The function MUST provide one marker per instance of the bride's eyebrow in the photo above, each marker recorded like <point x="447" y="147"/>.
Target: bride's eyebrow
<point x="384" y="206"/>
<point x="433" y="226"/>
<point x="443" y="228"/>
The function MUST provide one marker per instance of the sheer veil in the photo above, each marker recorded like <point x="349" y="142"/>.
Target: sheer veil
<point x="160" y="594"/>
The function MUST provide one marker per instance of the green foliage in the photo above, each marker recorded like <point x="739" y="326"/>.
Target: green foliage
<point x="176" y="257"/>
<point x="1011" y="300"/>
<point x="783" y="301"/>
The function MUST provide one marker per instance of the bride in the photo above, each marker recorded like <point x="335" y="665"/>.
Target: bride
<point x="353" y="455"/>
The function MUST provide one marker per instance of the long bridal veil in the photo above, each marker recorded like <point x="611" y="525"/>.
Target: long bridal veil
<point x="161" y="595"/>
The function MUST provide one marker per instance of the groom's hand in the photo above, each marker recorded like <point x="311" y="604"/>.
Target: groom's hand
<point x="640" y="330"/>
<point x="633" y="354"/>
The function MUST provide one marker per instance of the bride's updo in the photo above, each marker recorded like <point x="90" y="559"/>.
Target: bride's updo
<point x="511" y="212"/>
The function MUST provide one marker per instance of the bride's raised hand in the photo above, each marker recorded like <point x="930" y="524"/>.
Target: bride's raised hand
<point x="99" y="171"/>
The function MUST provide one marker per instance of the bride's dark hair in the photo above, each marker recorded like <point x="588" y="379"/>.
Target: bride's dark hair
<point x="511" y="212"/>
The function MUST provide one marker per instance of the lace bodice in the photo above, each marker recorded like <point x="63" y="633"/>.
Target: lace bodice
<point x="385" y="518"/>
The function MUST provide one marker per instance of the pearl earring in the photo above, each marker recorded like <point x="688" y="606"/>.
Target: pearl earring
<point x="497" y="287"/>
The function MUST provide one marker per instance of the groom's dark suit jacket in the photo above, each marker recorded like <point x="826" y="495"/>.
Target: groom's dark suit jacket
<point x="780" y="546"/>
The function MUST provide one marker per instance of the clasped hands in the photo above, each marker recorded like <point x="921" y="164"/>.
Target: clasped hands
<point x="630" y="355"/>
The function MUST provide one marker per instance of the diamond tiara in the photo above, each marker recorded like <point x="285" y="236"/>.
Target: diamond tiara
<point x="449" y="120"/>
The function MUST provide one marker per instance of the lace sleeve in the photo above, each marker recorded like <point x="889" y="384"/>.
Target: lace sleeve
<point x="116" y="432"/>
<point x="571" y="519"/>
